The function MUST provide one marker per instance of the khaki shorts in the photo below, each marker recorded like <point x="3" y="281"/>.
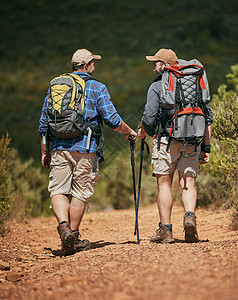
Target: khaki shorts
<point x="165" y="162"/>
<point x="71" y="174"/>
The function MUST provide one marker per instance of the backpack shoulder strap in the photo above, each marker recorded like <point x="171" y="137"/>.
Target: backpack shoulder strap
<point x="157" y="78"/>
<point x="87" y="78"/>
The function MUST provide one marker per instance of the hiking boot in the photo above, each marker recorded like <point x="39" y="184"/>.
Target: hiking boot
<point x="190" y="228"/>
<point x="67" y="238"/>
<point x="80" y="245"/>
<point x="163" y="235"/>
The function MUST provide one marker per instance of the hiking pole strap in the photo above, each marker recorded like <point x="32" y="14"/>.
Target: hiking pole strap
<point x="147" y="147"/>
<point x="141" y="161"/>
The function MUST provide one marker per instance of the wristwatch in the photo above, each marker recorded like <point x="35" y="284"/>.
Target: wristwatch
<point x="206" y="148"/>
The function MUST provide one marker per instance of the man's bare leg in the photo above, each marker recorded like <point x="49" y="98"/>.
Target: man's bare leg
<point x="165" y="204"/>
<point x="77" y="208"/>
<point x="189" y="192"/>
<point x="60" y="205"/>
<point x="76" y="211"/>
<point x="164" y="198"/>
<point x="189" y="198"/>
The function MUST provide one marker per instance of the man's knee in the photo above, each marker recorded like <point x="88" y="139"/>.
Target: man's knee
<point x="75" y="202"/>
<point x="164" y="180"/>
<point x="186" y="182"/>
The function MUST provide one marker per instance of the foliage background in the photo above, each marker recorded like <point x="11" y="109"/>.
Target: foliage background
<point x="38" y="38"/>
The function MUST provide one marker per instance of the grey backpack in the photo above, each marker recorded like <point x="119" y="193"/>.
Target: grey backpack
<point x="185" y="91"/>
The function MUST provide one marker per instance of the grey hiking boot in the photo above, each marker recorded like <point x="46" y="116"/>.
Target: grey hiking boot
<point x="67" y="238"/>
<point x="190" y="228"/>
<point x="80" y="245"/>
<point x="163" y="235"/>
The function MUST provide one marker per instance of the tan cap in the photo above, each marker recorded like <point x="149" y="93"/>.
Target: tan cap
<point x="167" y="55"/>
<point x="83" y="56"/>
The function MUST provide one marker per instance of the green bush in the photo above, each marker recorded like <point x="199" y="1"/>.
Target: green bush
<point x="226" y="133"/>
<point x="29" y="196"/>
<point x="23" y="187"/>
<point x="219" y="184"/>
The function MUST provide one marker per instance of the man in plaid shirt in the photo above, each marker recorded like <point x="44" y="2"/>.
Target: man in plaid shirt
<point x="71" y="163"/>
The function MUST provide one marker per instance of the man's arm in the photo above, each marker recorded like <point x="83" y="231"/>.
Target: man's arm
<point x="110" y="116"/>
<point x="124" y="128"/>
<point x="141" y="132"/>
<point x="45" y="156"/>
<point x="205" y="147"/>
<point x="149" y="119"/>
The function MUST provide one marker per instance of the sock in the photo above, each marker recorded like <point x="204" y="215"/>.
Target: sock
<point x="169" y="226"/>
<point x="189" y="213"/>
<point x="63" y="222"/>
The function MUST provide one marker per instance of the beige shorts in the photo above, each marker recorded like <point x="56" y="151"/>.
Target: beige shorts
<point x="71" y="174"/>
<point x="165" y="162"/>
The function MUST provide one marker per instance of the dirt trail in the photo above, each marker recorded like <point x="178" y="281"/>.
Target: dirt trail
<point x="117" y="267"/>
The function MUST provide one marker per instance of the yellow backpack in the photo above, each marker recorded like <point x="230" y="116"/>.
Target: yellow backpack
<point x="65" y="105"/>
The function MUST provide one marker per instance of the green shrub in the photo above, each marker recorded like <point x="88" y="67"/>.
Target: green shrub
<point x="225" y="130"/>
<point x="23" y="187"/>
<point x="218" y="183"/>
<point x="30" y="197"/>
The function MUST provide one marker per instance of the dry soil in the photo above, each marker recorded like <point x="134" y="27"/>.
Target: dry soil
<point x="116" y="267"/>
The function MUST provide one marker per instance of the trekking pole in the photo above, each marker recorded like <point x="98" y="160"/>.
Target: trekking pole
<point x="139" y="187"/>
<point x="132" y="148"/>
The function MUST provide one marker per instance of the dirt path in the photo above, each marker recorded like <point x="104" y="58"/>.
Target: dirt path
<point x="117" y="267"/>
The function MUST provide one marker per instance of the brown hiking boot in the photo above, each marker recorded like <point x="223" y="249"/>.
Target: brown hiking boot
<point x="67" y="238"/>
<point x="163" y="235"/>
<point x="80" y="245"/>
<point x="190" y="228"/>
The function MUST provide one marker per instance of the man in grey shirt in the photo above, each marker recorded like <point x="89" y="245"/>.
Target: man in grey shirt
<point x="166" y="159"/>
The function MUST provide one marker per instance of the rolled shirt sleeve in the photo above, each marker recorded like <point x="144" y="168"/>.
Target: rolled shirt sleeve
<point x="149" y="119"/>
<point x="43" y="127"/>
<point x="107" y="110"/>
<point x="208" y="115"/>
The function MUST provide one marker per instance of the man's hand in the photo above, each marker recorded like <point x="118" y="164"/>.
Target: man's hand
<point x="45" y="160"/>
<point x="141" y="133"/>
<point x="205" y="158"/>
<point x="131" y="136"/>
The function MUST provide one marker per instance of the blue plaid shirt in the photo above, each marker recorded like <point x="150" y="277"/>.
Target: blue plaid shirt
<point x="98" y="107"/>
